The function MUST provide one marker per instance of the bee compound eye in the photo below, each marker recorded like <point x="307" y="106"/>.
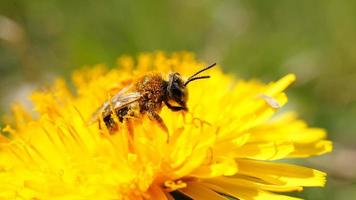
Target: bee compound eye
<point x="177" y="92"/>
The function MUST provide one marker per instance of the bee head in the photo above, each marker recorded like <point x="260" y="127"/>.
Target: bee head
<point x="177" y="92"/>
<point x="177" y="89"/>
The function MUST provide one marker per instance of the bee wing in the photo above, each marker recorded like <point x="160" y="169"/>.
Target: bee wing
<point x="120" y="93"/>
<point x="118" y="101"/>
<point x="121" y="102"/>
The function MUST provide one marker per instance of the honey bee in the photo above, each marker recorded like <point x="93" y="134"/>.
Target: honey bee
<point x="146" y="97"/>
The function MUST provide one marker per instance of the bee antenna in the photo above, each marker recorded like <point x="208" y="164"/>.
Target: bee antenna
<point x="195" y="78"/>
<point x="202" y="70"/>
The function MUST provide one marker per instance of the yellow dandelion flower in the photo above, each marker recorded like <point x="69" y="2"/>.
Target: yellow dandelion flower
<point x="225" y="146"/>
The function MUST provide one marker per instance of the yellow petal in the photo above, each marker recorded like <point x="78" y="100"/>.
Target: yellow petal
<point x="265" y="151"/>
<point x="253" y="183"/>
<point x="222" y="167"/>
<point x="280" y="85"/>
<point x="286" y="127"/>
<point x="311" y="149"/>
<point x="199" y="192"/>
<point x="245" y="193"/>
<point x="281" y="174"/>
<point x="156" y="193"/>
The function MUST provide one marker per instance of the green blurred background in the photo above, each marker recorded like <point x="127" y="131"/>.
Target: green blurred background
<point x="42" y="39"/>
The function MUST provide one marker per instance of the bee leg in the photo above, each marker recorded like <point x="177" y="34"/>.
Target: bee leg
<point x="155" y="117"/>
<point x="99" y="124"/>
<point x="129" y="127"/>
<point x="131" y="134"/>
<point x="175" y="108"/>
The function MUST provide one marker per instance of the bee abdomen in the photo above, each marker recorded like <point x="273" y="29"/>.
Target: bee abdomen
<point x="109" y="119"/>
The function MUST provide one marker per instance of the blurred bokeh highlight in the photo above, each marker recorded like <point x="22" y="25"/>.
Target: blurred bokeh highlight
<point x="316" y="40"/>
